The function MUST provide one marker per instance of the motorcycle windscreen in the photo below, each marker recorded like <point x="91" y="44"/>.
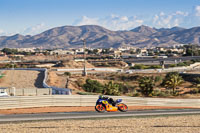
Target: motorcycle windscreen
<point x="118" y="100"/>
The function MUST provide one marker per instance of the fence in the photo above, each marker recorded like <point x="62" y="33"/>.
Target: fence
<point x="28" y="91"/>
<point x="90" y="100"/>
<point x="195" y="66"/>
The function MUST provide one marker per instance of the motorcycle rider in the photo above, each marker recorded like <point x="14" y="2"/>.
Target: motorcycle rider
<point x="110" y="100"/>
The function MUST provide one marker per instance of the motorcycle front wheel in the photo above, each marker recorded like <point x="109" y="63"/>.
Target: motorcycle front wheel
<point x="100" y="108"/>
<point x="122" y="107"/>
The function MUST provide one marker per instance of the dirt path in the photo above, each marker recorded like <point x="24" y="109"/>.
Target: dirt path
<point x="22" y="79"/>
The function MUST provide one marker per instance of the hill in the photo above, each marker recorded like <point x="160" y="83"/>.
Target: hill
<point x="99" y="37"/>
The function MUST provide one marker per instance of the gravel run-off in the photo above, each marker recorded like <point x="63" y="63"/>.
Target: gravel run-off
<point x="166" y="124"/>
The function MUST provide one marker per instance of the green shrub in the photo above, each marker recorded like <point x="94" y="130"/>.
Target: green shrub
<point x="136" y="94"/>
<point x="67" y="74"/>
<point x="181" y="64"/>
<point x="160" y="93"/>
<point x="86" y="93"/>
<point x="93" y="86"/>
<point x="139" y="66"/>
<point x="172" y="65"/>
<point x="146" y="85"/>
<point x="197" y="80"/>
<point x="158" y="78"/>
<point x="164" y="94"/>
<point x="155" y="92"/>
<point x="111" y="89"/>
<point x="155" y="67"/>
<point x="194" y="91"/>
<point x="2" y="75"/>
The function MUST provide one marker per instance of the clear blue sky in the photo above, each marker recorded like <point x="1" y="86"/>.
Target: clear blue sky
<point x="35" y="16"/>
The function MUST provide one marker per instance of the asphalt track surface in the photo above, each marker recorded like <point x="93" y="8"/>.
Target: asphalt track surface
<point x="88" y="115"/>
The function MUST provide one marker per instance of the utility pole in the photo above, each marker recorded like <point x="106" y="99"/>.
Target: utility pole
<point x="84" y="69"/>
<point x="192" y="50"/>
<point x="13" y="69"/>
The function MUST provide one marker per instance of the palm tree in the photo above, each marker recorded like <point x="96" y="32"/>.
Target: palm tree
<point x="172" y="81"/>
<point x="146" y="85"/>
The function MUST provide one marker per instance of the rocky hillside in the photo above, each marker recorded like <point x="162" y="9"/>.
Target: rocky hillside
<point x="99" y="37"/>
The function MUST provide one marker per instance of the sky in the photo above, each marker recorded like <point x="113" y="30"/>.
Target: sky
<point x="30" y="17"/>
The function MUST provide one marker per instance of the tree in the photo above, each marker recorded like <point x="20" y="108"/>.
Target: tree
<point x="111" y="88"/>
<point x="146" y="85"/>
<point x="191" y="50"/>
<point x="93" y="86"/>
<point x="9" y="51"/>
<point x="172" y="81"/>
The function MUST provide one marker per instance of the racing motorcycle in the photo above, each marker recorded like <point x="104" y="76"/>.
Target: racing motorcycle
<point x="108" y="104"/>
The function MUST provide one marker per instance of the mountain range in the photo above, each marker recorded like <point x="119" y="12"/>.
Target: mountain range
<point x="99" y="37"/>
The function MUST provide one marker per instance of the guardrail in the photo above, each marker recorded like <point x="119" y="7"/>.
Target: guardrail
<point x="195" y="66"/>
<point x="90" y="100"/>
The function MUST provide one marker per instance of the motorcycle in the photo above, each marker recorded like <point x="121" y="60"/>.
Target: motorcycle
<point x="103" y="105"/>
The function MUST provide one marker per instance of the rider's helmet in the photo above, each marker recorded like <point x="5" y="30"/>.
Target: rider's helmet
<point x="101" y="97"/>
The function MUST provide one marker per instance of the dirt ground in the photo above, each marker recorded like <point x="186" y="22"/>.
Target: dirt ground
<point x="71" y="109"/>
<point x="2" y="58"/>
<point x="167" y="124"/>
<point x="59" y="80"/>
<point x="22" y="79"/>
<point x="49" y="57"/>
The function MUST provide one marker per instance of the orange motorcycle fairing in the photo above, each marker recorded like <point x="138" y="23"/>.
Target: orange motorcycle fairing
<point x="109" y="107"/>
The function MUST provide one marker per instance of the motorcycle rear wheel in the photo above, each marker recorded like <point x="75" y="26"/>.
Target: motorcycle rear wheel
<point x="100" y="108"/>
<point x="122" y="107"/>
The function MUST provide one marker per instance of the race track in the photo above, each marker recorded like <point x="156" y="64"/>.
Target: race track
<point x="87" y="115"/>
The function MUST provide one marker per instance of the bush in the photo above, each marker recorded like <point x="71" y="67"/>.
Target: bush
<point x="93" y="86"/>
<point x="146" y="85"/>
<point x="181" y="64"/>
<point x="139" y="66"/>
<point x="2" y="75"/>
<point x="160" y="93"/>
<point x="172" y="65"/>
<point x="67" y="74"/>
<point x="86" y="93"/>
<point x="111" y="89"/>
<point x="194" y="91"/>
<point x="197" y="80"/>
<point x="155" y="67"/>
<point x="155" y="92"/>
<point x="136" y="94"/>
<point x="158" y="78"/>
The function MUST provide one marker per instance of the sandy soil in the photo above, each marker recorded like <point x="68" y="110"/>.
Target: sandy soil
<point x="22" y="79"/>
<point x="49" y="57"/>
<point x="60" y="80"/>
<point x="3" y="58"/>
<point x="170" y="124"/>
<point x="71" y="109"/>
<point x="56" y="80"/>
<point x="76" y="64"/>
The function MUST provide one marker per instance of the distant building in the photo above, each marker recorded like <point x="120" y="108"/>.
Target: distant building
<point x="61" y="52"/>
